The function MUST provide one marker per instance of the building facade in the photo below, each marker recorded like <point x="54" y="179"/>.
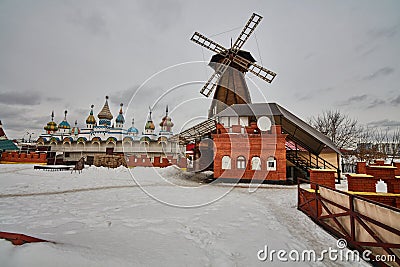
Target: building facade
<point x="103" y="136"/>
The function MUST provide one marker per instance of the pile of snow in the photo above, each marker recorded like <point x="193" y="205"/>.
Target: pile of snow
<point x="141" y="217"/>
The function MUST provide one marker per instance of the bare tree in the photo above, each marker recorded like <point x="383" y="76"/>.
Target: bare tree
<point x="340" y="128"/>
<point x="395" y="144"/>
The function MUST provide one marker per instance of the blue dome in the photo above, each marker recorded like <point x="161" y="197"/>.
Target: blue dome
<point x="64" y="125"/>
<point x="120" y="118"/>
<point x="133" y="130"/>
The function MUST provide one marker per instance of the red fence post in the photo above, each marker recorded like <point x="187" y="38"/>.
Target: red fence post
<point x="352" y="224"/>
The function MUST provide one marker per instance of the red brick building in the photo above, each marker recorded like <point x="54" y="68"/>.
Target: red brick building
<point x="259" y="142"/>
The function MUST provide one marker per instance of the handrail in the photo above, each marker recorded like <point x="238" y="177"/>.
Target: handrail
<point x="313" y="205"/>
<point x="317" y="159"/>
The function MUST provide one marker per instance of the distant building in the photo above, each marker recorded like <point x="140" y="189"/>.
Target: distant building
<point x="102" y="136"/>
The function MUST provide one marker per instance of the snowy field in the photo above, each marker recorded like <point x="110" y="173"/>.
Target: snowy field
<point x="149" y="217"/>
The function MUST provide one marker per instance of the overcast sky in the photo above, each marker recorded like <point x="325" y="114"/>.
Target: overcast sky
<point x="57" y="55"/>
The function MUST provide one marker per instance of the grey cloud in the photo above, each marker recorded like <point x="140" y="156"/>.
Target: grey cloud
<point x="17" y="121"/>
<point x="54" y="99"/>
<point x="381" y="72"/>
<point x="376" y="103"/>
<point x="20" y="98"/>
<point x="164" y="14"/>
<point x="309" y="95"/>
<point x="384" y="32"/>
<point x="396" y="101"/>
<point x="353" y="99"/>
<point x="384" y="123"/>
<point x="94" y="22"/>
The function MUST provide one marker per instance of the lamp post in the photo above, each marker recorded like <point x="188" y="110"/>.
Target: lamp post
<point x="30" y="135"/>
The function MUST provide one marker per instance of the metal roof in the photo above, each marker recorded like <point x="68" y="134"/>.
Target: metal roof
<point x="8" y="145"/>
<point x="298" y="130"/>
<point x="195" y="132"/>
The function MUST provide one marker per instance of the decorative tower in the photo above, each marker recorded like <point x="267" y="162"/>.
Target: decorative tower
<point x="149" y="127"/>
<point x="91" y="120"/>
<point x="166" y="124"/>
<point x="120" y="120"/>
<point x="105" y="115"/>
<point x="64" y="128"/>
<point x="51" y="126"/>
<point x="132" y="131"/>
<point x="75" y="131"/>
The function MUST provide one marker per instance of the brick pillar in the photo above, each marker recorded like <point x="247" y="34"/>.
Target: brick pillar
<point x="322" y="177"/>
<point x="397" y="171"/>
<point x="361" y="182"/>
<point x="361" y="167"/>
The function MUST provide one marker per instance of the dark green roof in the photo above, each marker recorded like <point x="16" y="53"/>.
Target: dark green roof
<point x="6" y="145"/>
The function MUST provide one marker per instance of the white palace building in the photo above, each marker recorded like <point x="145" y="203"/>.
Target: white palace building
<point x="104" y="136"/>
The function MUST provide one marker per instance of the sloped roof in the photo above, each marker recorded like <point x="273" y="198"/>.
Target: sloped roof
<point x="195" y="132"/>
<point x="7" y="145"/>
<point x="298" y="130"/>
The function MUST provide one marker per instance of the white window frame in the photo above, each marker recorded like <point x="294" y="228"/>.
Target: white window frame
<point x="241" y="164"/>
<point x="273" y="161"/>
<point x="255" y="163"/>
<point x="226" y="163"/>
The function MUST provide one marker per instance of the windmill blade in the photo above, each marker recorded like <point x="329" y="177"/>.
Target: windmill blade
<point x="207" y="43"/>
<point x="254" y="68"/>
<point x="247" y="31"/>
<point x="213" y="81"/>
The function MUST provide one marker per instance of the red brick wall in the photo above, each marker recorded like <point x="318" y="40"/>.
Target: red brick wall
<point x="144" y="161"/>
<point x="322" y="177"/>
<point x="397" y="171"/>
<point x="361" y="184"/>
<point x="250" y="145"/>
<point x="361" y="167"/>
<point x="381" y="173"/>
<point x="24" y="157"/>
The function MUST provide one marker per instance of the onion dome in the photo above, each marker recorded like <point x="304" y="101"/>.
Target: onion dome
<point x="76" y="130"/>
<point x="64" y="124"/>
<point x="91" y="119"/>
<point x="120" y="118"/>
<point x="149" y="124"/>
<point x="166" y="123"/>
<point x="51" y="125"/>
<point x="105" y="115"/>
<point x="132" y="129"/>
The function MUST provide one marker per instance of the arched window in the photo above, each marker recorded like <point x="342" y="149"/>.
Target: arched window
<point x="271" y="164"/>
<point x="241" y="162"/>
<point x="256" y="163"/>
<point x="226" y="163"/>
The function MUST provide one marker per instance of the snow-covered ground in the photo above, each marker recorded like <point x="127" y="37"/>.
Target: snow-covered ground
<point x="149" y="217"/>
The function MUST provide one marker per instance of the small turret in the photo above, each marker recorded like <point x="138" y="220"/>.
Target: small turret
<point x="91" y="120"/>
<point x="120" y="120"/>
<point x="64" y="127"/>
<point x="75" y="131"/>
<point x="51" y="126"/>
<point x="149" y="127"/>
<point x="132" y="130"/>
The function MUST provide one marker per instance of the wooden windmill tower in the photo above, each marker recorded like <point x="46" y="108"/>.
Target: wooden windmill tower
<point x="230" y="65"/>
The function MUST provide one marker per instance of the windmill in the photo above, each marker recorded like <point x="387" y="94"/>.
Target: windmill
<point x="230" y="65"/>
